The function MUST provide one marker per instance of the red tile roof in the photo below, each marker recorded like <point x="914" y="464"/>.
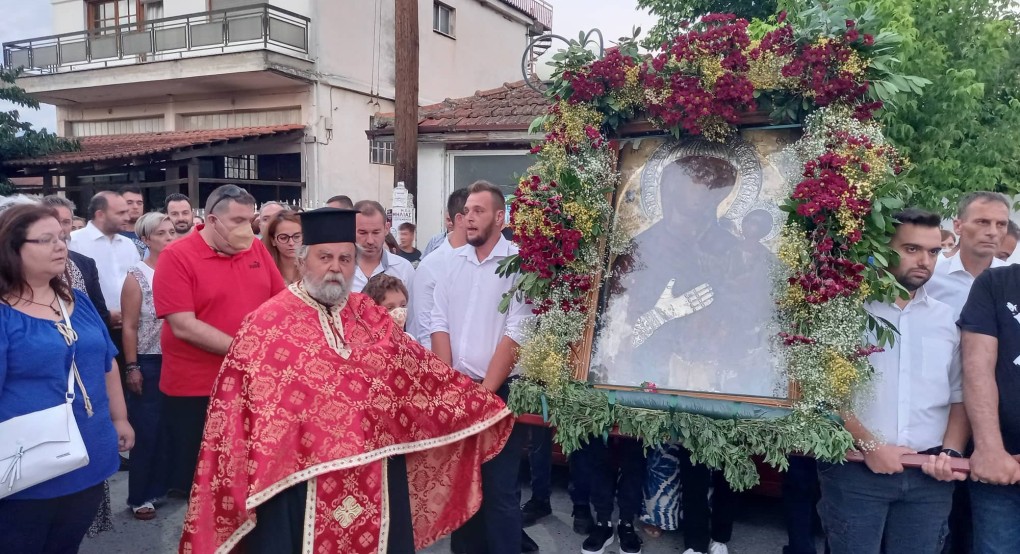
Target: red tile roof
<point x="511" y="107"/>
<point x="116" y="147"/>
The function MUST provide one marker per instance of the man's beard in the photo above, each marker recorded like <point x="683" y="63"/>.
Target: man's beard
<point x="331" y="289"/>
<point x="182" y="228"/>
<point x="482" y="237"/>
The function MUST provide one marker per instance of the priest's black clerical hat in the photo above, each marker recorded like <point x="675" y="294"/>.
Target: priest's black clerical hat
<point x="327" y="225"/>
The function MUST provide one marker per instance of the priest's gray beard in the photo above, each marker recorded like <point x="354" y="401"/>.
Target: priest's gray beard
<point x="332" y="289"/>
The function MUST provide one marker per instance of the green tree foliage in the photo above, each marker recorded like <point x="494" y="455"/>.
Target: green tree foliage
<point x="17" y="138"/>
<point x="962" y="133"/>
<point x="672" y="13"/>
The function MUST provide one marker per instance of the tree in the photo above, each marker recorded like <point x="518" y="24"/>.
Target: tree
<point x="673" y="12"/>
<point x="18" y="140"/>
<point x="960" y="134"/>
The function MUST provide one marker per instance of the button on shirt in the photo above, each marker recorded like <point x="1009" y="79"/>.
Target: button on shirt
<point x="917" y="377"/>
<point x="391" y="265"/>
<point x="467" y="307"/>
<point x="114" y="257"/>
<point x="950" y="283"/>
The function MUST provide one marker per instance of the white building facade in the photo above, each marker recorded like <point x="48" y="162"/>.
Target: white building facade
<point x="115" y="67"/>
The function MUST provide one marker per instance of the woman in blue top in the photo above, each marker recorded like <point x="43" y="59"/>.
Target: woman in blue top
<point x="53" y="516"/>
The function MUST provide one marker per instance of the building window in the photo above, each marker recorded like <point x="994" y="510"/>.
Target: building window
<point x="443" y="19"/>
<point x="105" y="15"/>
<point x="381" y="152"/>
<point x="241" y="167"/>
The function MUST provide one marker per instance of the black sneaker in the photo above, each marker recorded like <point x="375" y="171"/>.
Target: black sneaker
<point x="583" y="522"/>
<point x="601" y="537"/>
<point x="630" y="543"/>
<point x="528" y="544"/>
<point x="534" y="510"/>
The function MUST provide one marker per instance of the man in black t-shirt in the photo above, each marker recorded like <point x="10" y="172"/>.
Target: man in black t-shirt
<point x="406" y="241"/>
<point x="990" y="323"/>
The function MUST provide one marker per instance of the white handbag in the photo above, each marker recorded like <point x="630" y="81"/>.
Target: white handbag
<point x="41" y="445"/>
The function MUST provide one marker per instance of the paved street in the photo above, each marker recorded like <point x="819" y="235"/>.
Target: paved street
<point x="759" y="528"/>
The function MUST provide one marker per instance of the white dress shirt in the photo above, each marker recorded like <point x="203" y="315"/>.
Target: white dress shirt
<point x="419" y="307"/>
<point x="950" y="283"/>
<point x="114" y="256"/>
<point x="467" y="307"/>
<point x="391" y="265"/>
<point x="917" y="377"/>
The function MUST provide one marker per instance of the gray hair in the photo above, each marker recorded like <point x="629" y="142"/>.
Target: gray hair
<point x="147" y="224"/>
<point x="980" y="196"/>
<point x="55" y="201"/>
<point x="271" y="203"/>
<point x="1013" y="230"/>
<point x="15" y="200"/>
<point x="302" y="253"/>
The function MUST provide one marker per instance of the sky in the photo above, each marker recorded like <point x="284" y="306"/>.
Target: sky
<point x="24" y="19"/>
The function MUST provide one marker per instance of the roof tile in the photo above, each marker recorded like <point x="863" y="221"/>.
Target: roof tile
<point x="512" y="106"/>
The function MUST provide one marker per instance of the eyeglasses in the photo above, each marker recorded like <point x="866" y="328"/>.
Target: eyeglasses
<point x="227" y="191"/>
<point x="295" y="238"/>
<point x="52" y="241"/>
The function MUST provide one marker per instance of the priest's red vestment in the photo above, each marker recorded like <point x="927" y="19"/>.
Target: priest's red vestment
<point x="324" y="395"/>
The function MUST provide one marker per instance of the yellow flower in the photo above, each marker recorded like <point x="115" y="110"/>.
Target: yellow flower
<point x="575" y="117"/>
<point x="711" y="69"/>
<point x="583" y="217"/>
<point x="854" y="64"/>
<point x="715" y="128"/>
<point x="543" y="360"/>
<point x="842" y="375"/>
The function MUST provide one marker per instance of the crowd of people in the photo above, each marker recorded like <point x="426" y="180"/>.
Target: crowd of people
<point x="307" y="380"/>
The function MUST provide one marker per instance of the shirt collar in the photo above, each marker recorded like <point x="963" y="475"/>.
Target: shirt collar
<point x="500" y="251"/>
<point x="956" y="264"/>
<point x="92" y="232"/>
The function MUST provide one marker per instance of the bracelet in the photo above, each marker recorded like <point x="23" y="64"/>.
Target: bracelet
<point x="952" y="453"/>
<point x="132" y="366"/>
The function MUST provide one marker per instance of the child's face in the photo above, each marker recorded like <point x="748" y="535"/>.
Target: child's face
<point x="396" y="303"/>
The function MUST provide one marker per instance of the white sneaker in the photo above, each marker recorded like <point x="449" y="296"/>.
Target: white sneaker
<point x="718" y="548"/>
<point x="692" y="551"/>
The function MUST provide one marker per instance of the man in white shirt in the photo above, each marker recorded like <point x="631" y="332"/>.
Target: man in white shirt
<point x="917" y="406"/>
<point x="113" y="253"/>
<point x="373" y="258"/>
<point x="431" y="271"/>
<point x="471" y="334"/>
<point x="981" y="223"/>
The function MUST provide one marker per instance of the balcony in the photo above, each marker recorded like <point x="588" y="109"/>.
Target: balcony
<point x="539" y="10"/>
<point x="247" y="49"/>
<point x="240" y="29"/>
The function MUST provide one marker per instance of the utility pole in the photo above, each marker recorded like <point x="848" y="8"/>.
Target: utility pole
<point x="405" y="147"/>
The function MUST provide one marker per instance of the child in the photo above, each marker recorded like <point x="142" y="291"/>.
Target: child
<point x="390" y="293"/>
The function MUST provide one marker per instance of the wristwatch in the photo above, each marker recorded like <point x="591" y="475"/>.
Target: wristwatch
<point x="952" y="453"/>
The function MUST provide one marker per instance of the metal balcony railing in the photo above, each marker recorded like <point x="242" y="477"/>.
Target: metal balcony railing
<point x="244" y="28"/>
<point x="540" y="10"/>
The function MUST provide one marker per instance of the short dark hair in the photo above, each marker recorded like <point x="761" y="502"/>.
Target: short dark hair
<point x="342" y="199"/>
<point x="130" y="188"/>
<point x="407" y="226"/>
<point x="370" y="207"/>
<point x="455" y="204"/>
<point x="982" y="196"/>
<point x="1013" y="230"/>
<point x="99" y="202"/>
<point x="498" y="200"/>
<point x="175" y="197"/>
<point x="378" y="286"/>
<point x="916" y="216"/>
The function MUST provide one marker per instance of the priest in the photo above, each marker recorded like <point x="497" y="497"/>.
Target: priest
<point x="331" y="430"/>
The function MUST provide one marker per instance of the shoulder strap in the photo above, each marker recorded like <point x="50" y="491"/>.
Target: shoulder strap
<point x="71" y="338"/>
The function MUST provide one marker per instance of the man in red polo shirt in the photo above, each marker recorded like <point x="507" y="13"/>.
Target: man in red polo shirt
<point x="204" y="286"/>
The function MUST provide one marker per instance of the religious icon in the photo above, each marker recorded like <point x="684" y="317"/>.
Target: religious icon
<point x="689" y="306"/>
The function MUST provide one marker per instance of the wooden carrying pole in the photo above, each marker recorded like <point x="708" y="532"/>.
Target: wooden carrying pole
<point x="405" y="148"/>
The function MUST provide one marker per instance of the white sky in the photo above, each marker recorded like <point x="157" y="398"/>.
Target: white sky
<point x="24" y="19"/>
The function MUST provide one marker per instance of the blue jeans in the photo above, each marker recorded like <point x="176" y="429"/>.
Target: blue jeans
<point x="996" y="511"/>
<point x="147" y="470"/>
<point x="540" y="460"/>
<point x="626" y="484"/>
<point x="866" y="513"/>
<point x="800" y="494"/>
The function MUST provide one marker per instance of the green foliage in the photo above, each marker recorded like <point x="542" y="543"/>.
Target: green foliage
<point x="17" y="138"/>
<point x="673" y="12"/>
<point x="581" y="413"/>
<point x="960" y="134"/>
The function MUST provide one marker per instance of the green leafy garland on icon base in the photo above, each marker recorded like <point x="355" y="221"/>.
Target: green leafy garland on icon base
<point x="828" y="68"/>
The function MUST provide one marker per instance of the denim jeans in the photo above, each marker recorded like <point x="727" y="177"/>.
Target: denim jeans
<point x="867" y="513"/>
<point x="147" y="471"/>
<point x="625" y="484"/>
<point x="540" y="460"/>
<point x="996" y="511"/>
<point x="579" y="485"/>
<point x="703" y="523"/>
<point x="800" y="494"/>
